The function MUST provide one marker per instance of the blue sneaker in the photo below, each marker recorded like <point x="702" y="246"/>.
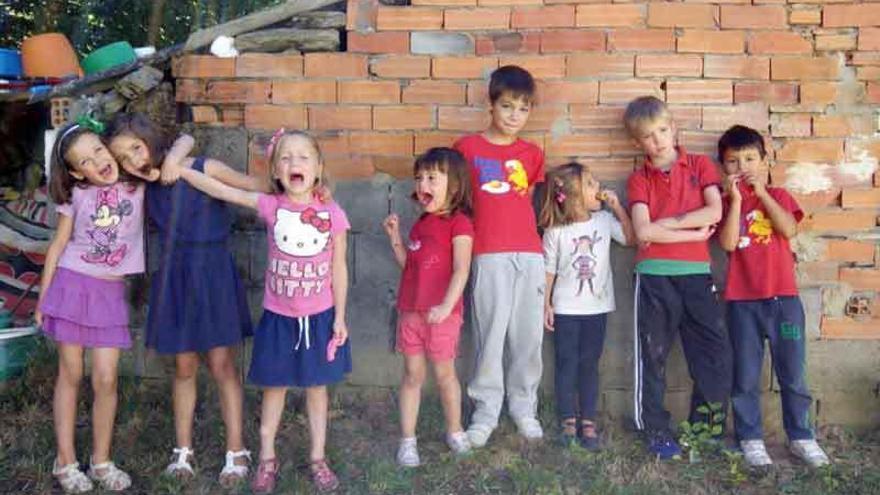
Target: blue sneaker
<point x="663" y="446"/>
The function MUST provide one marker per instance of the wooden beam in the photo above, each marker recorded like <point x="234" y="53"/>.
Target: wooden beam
<point x="250" y="22"/>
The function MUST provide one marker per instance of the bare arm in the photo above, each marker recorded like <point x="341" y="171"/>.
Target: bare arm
<point x="231" y="177"/>
<point x="701" y="217"/>
<point x="175" y="158"/>
<point x="392" y="228"/>
<point x="729" y="237"/>
<point x="339" y="276"/>
<point x="548" y="304"/>
<point x="646" y="231"/>
<point x="219" y="190"/>
<point x="783" y="221"/>
<point x="620" y="212"/>
<point x="63" y="232"/>
<point x="461" y="266"/>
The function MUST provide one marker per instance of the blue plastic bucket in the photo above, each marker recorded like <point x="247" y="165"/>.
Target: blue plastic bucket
<point x="10" y="63"/>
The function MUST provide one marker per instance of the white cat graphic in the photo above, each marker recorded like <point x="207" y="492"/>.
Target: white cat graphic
<point x="302" y="234"/>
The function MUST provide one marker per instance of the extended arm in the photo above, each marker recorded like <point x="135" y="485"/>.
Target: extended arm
<point x="219" y="190"/>
<point x="231" y="177"/>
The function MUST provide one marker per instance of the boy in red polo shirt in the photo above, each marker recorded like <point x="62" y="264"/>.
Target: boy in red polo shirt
<point x="507" y="273"/>
<point x="675" y="202"/>
<point x="762" y="298"/>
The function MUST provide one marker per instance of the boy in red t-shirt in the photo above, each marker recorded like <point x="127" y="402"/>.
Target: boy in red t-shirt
<point x="762" y="298"/>
<point x="508" y="267"/>
<point x="675" y="202"/>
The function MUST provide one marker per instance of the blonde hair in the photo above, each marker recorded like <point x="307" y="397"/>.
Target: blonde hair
<point x="644" y="110"/>
<point x="322" y="177"/>
<point x="563" y="201"/>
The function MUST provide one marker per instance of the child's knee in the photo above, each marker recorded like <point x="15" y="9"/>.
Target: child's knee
<point x="222" y="367"/>
<point x="104" y="382"/>
<point x="70" y="377"/>
<point x="413" y="378"/>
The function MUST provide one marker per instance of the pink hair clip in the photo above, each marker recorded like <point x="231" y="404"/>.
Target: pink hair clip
<point x="273" y="141"/>
<point x="560" y="197"/>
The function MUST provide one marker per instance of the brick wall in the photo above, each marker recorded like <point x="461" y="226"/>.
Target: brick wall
<point x="804" y="73"/>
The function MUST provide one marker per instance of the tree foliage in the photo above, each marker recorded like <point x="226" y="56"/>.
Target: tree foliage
<point x="90" y="24"/>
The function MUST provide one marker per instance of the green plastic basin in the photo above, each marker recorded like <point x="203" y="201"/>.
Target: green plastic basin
<point x="108" y="56"/>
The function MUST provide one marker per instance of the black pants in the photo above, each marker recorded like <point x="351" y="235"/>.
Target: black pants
<point x="578" y="342"/>
<point x="664" y="306"/>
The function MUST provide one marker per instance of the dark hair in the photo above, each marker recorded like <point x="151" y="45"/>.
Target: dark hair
<point x="60" y="181"/>
<point x="512" y="80"/>
<point x="739" y="137"/>
<point x="141" y="127"/>
<point x="563" y="201"/>
<point x="454" y="165"/>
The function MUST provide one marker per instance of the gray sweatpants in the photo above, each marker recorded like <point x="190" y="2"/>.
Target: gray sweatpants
<point x="507" y="309"/>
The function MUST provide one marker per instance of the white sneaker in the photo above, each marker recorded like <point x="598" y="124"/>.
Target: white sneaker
<point x="755" y="453"/>
<point x="810" y="452"/>
<point x="478" y="434"/>
<point x="408" y="453"/>
<point x="529" y="428"/>
<point x="458" y="443"/>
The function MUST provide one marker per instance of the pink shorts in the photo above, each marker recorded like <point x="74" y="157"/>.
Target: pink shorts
<point x="439" y="342"/>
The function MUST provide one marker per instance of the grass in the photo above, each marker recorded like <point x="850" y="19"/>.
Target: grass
<point x="362" y="444"/>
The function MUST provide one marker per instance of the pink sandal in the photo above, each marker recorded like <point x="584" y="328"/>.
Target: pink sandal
<point x="265" y="477"/>
<point x="323" y="477"/>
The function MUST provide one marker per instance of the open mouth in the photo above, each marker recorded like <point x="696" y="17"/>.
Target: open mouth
<point x="297" y="179"/>
<point x="425" y="199"/>
<point x="106" y="172"/>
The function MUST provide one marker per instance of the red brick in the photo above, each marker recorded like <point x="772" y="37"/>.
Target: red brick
<point x="333" y="117"/>
<point x="304" y="92"/>
<point x="850" y="329"/>
<point x="811" y="150"/>
<point x="381" y="143"/>
<point x="508" y="42"/>
<point x="550" y="92"/>
<point x="804" y="68"/>
<point x="578" y="145"/>
<point x="865" y="58"/>
<point x="269" y="65"/>
<point x="810" y="16"/>
<point x="699" y="142"/>
<point x="274" y="116"/>
<point x="590" y="117"/>
<point x="754" y="115"/>
<point x="707" y="41"/>
<point x="816" y="273"/>
<point x="509" y="2"/>
<point x="813" y="202"/>
<point x="436" y="92"/>
<point x="872" y="93"/>
<point x="409" y="18"/>
<point x="753" y="17"/>
<point x="612" y="169"/>
<point x="683" y="15"/>
<point x="189" y="90"/>
<point x="818" y="93"/>
<point x="350" y="167"/>
<point x="543" y="117"/>
<point x="427" y="140"/>
<point x="736" y="67"/>
<point x="835" y="42"/>
<point x="784" y="42"/>
<point x="849" y="251"/>
<point x="868" y="73"/>
<point x="791" y="125"/>
<point x="540" y="66"/>
<point x="333" y="143"/>
<point x="238" y="91"/>
<point x="600" y="65"/>
<point x="772" y="93"/>
<point x="860" y="198"/>
<point x="463" y="67"/>
<point x="203" y="67"/>
<point x="645" y="40"/>
<point x="841" y="125"/>
<point x="360" y="15"/>
<point x="399" y="167"/>
<point x="869" y="38"/>
<point x="555" y="16"/>
<point x="626" y="90"/>
<point x="232" y="116"/>
<point x="401" y="66"/>
<point x="369" y="92"/>
<point x="702" y="91"/>
<point x="687" y="116"/>
<point x="203" y="114"/>
<point x="669" y="66"/>
<point x="466" y="119"/>
<point x="478" y="93"/>
<point x="445" y="3"/>
<point x="335" y="65"/>
<point x="866" y="14"/>
<point x="572" y="41"/>
<point x="622" y="144"/>
<point x="861" y="278"/>
<point x="483" y="18"/>
<point x="387" y="42"/>
<point x="397" y="117"/>
<point x="610" y="15"/>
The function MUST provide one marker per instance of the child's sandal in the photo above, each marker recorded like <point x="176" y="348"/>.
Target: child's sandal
<point x="181" y="468"/>
<point x="264" y="478"/>
<point x="323" y="477"/>
<point x="568" y="433"/>
<point x="109" y="477"/>
<point x="233" y="473"/>
<point x="589" y="435"/>
<point x="71" y="479"/>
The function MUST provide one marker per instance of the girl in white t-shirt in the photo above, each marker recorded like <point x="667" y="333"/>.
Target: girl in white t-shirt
<point x="580" y="290"/>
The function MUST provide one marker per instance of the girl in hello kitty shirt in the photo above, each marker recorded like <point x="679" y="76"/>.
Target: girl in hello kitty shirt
<point x="301" y="339"/>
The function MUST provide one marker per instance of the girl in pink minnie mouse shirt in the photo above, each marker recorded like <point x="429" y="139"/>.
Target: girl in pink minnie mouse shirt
<point x="301" y="339"/>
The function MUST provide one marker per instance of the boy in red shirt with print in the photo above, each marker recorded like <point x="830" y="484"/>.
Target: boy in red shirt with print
<point x="762" y="298"/>
<point x="508" y="267"/>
